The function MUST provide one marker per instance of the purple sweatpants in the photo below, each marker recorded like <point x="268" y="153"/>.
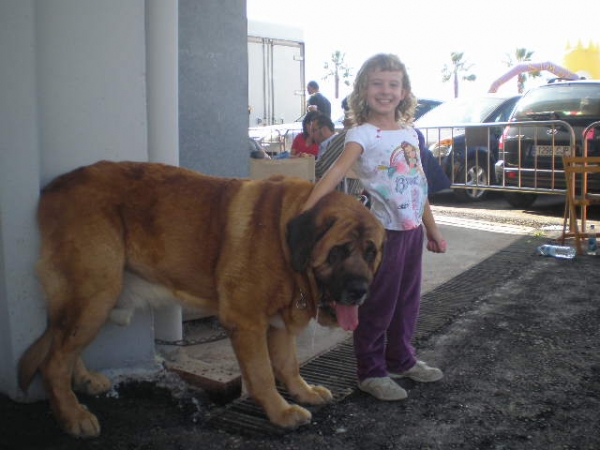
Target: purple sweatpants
<point x="387" y="320"/>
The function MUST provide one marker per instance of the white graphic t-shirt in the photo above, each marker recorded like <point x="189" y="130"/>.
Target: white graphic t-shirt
<point x="390" y="170"/>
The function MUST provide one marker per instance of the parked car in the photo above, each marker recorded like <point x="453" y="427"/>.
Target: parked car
<point x="550" y="121"/>
<point x="277" y="138"/>
<point x="424" y="105"/>
<point x="452" y="128"/>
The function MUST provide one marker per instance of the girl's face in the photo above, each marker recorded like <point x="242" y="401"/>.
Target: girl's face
<point x="384" y="91"/>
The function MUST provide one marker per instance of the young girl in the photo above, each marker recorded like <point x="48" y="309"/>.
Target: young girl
<point x="382" y="148"/>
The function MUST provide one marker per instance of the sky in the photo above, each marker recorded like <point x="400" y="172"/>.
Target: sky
<point x="424" y="33"/>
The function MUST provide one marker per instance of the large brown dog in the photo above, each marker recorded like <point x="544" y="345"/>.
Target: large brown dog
<point x="239" y="247"/>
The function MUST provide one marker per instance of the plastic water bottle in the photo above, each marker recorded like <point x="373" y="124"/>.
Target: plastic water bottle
<point x="557" y="251"/>
<point x="592" y="241"/>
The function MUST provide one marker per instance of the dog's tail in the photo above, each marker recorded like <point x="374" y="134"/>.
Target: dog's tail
<point x="33" y="358"/>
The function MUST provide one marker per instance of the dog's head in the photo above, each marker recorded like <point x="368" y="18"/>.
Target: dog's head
<point x="342" y="243"/>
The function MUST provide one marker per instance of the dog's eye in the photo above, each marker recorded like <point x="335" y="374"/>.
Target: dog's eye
<point x="370" y="252"/>
<point x="337" y="254"/>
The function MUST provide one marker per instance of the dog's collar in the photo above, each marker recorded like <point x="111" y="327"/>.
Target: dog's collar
<point x="307" y="287"/>
<point x="301" y="301"/>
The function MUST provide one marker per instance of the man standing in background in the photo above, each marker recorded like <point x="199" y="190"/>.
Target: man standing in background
<point x="317" y="101"/>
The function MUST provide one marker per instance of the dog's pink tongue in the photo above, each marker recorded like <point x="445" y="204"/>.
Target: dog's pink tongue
<point x="347" y="316"/>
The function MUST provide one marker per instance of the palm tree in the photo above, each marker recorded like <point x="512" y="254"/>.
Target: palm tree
<point x="338" y="68"/>
<point x="458" y="66"/>
<point x="521" y="55"/>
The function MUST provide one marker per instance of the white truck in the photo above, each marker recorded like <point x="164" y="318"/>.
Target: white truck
<point x="276" y="84"/>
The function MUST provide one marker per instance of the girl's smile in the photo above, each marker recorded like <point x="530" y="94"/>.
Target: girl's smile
<point x="384" y="93"/>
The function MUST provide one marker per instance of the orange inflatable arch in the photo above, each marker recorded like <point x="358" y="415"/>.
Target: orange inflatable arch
<point x="557" y="70"/>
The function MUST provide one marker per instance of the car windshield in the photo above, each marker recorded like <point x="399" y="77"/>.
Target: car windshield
<point x="557" y="101"/>
<point x="461" y="110"/>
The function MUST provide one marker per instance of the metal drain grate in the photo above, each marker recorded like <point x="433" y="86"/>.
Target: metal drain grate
<point x="336" y="369"/>
<point x="444" y="303"/>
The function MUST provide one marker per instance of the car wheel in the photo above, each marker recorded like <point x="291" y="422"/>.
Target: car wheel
<point x="476" y="175"/>
<point x="520" y="200"/>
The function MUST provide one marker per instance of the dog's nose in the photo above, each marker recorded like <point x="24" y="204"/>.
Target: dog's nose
<point x="356" y="292"/>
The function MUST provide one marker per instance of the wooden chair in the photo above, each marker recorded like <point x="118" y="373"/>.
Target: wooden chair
<point x="577" y="169"/>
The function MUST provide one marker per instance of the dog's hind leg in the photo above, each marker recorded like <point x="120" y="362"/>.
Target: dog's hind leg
<point x="72" y="329"/>
<point x="82" y="283"/>
<point x="282" y="351"/>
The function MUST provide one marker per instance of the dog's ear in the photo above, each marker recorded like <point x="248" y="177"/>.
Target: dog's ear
<point x="301" y="237"/>
<point x="303" y="233"/>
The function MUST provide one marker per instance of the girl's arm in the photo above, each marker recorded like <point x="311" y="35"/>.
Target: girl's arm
<point x="334" y="174"/>
<point x="435" y="241"/>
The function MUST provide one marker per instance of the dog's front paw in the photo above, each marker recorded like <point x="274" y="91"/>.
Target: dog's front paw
<point x="82" y="424"/>
<point x="292" y="417"/>
<point x="315" y="395"/>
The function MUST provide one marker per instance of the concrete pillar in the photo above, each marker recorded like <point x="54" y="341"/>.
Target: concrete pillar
<point x="22" y="311"/>
<point x="163" y="110"/>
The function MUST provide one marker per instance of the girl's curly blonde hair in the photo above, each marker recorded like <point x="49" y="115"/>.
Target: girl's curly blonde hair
<point x="358" y="99"/>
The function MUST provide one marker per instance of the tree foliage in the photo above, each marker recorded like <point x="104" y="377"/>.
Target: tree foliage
<point x="457" y="70"/>
<point x="338" y="69"/>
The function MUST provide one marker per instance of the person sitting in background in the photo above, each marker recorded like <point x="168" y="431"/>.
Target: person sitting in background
<point x="322" y="130"/>
<point x="303" y="144"/>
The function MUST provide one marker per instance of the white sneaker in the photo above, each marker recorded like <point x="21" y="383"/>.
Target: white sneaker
<point x="382" y="388"/>
<point x="420" y="372"/>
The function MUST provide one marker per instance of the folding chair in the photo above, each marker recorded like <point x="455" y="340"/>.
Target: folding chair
<point x="577" y="169"/>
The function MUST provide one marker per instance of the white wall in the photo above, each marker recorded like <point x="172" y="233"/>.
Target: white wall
<point x="91" y="82"/>
<point x="72" y="91"/>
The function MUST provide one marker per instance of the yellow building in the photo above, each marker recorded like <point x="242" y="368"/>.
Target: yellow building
<point x="584" y="61"/>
